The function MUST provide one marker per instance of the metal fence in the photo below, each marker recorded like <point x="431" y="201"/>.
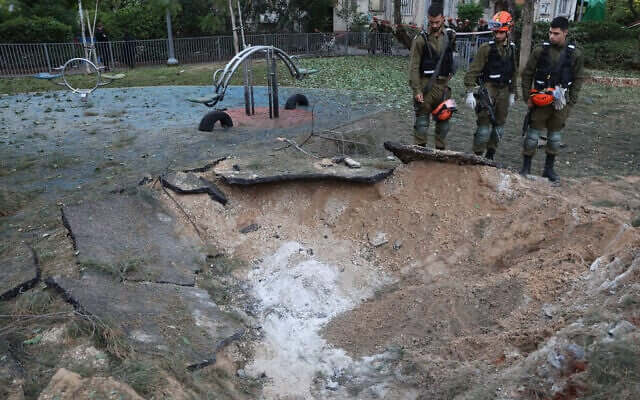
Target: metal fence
<point x="27" y="59"/>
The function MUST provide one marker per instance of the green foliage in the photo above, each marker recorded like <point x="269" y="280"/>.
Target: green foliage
<point x="594" y="31"/>
<point x="471" y="11"/>
<point x="612" y="54"/>
<point x="620" y="11"/>
<point x="347" y="11"/>
<point x="134" y="21"/>
<point x="36" y="29"/>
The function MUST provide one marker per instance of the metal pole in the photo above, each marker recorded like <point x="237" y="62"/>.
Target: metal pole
<point x="274" y="82"/>
<point x="46" y="54"/>
<point x="172" y="57"/>
<point x="580" y="13"/>
<point x="269" y="86"/>
<point x="244" y="43"/>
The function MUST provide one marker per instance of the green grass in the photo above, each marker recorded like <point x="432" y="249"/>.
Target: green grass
<point x="383" y="78"/>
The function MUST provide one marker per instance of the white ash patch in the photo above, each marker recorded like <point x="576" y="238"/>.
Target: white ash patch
<point x="300" y="294"/>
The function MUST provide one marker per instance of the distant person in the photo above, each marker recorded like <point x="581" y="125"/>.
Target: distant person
<point x="373" y="38"/>
<point x="102" y="47"/>
<point x="493" y="67"/>
<point x="430" y="68"/>
<point x="451" y="24"/>
<point x="482" y="25"/>
<point x="551" y="82"/>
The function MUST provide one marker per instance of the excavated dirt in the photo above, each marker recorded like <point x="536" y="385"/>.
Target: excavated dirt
<point x="437" y="282"/>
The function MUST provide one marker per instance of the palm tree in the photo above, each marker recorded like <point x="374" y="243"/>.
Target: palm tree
<point x="170" y="7"/>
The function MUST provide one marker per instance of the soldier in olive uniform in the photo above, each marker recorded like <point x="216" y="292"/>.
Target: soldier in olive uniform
<point x="426" y="49"/>
<point x="551" y="82"/>
<point x="493" y="66"/>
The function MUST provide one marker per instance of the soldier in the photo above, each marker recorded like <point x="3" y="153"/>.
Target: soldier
<point x="493" y="67"/>
<point x="431" y="94"/>
<point x="556" y="71"/>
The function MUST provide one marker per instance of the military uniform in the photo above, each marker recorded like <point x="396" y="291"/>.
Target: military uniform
<point x="424" y="57"/>
<point x="542" y="71"/>
<point x="494" y="64"/>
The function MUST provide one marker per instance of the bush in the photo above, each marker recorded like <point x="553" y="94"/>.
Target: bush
<point x="612" y="54"/>
<point x="471" y="11"/>
<point x="34" y="30"/>
<point x="594" y="31"/>
<point x="139" y="21"/>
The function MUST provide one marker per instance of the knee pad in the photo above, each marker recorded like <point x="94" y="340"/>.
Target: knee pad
<point x="499" y="132"/>
<point x="482" y="135"/>
<point x="421" y="125"/>
<point x="553" y="142"/>
<point x="442" y="128"/>
<point x="531" y="141"/>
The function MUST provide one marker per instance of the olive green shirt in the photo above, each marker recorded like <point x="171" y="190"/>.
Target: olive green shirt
<point x="577" y="68"/>
<point x="417" y="81"/>
<point x="480" y="61"/>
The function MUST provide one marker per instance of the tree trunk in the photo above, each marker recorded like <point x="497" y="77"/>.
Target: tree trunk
<point x="632" y="7"/>
<point x="397" y="12"/>
<point x="233" y="27"/>
<point x="527" y="32"/>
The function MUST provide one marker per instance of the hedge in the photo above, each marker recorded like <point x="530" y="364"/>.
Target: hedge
<point x="34" y="30"/>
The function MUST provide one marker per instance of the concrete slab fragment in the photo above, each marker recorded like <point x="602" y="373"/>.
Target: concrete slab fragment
<point x="179" y="321"/>
<point x="133" y="236"/>
<point x="190" y="183"/>
<point x="250" y="171"/>
<point x="409" y="153"/>
<point x="18" y="272"/>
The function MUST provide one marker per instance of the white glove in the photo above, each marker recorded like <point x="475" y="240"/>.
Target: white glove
<point x="512" y="99"/>
<point x="471" y="101"/>
<point x="559" y="98"/>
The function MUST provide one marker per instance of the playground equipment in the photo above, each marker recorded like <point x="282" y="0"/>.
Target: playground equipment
<point x="102" y="79"/>
<point x="222" y="77"/>
<point x="91" y="67"/>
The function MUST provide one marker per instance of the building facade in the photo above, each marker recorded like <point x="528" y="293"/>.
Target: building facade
<point x="414" y="11"/>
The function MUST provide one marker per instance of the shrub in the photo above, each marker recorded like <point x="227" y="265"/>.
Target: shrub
<point x="34" y="30"/>
<point x="471" y="11"/>
<point x="139" y="21"/>
<point x="612" y="54"/>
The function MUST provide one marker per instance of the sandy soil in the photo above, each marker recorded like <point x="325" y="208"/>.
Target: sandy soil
<point x="399" y="289"/>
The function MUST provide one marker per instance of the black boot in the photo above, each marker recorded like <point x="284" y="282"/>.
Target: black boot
<point x="526" y="166"/>
<point x="490" y="154"/>
<point x="548" y="172"/>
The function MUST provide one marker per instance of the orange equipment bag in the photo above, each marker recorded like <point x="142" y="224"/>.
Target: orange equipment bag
<point x="541" y="98"/>
<point x="444" y="110"/>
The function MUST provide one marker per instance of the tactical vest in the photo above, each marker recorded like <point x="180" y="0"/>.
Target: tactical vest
<point x="430" y="57"/>
<point x="499" y="70"/>
<point x="549" y="75"/>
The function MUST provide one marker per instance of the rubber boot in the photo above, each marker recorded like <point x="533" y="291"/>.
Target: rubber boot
<point x="548" y="172"/>
<point x="490" y="154"/>
<point x="526" y="166"/>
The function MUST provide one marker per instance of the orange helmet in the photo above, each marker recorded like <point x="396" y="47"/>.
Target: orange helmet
<point x="541" y="98"/>
<point x="501" y="22"/>
<point x="444" y="110"/>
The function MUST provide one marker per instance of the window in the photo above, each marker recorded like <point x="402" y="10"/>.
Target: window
<point x="376" y="5"/>
<point x="407" y="7"/>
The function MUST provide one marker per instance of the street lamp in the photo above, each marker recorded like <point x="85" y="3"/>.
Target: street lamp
<point x="172" y="57"/>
